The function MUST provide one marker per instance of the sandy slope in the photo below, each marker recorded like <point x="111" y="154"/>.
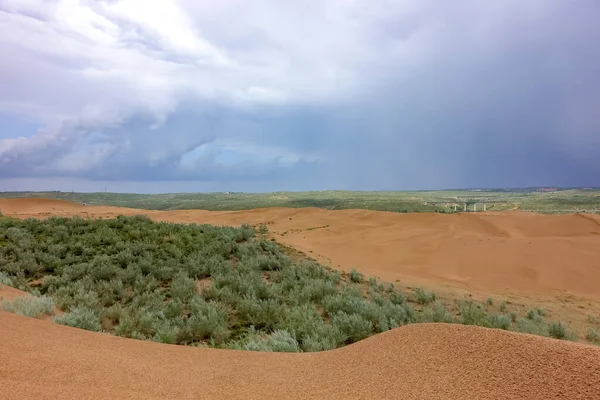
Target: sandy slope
<point x="9" y="293"/>
<point x="427" y="361"/>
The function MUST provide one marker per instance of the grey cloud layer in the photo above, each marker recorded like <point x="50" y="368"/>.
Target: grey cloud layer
<point x="362" y="95"/>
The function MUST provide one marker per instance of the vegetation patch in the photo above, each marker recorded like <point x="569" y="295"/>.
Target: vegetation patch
<point x="29" y="306"/>
<point x="211" y="286"/>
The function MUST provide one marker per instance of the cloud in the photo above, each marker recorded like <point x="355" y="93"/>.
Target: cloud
<point x="367" y="95"/>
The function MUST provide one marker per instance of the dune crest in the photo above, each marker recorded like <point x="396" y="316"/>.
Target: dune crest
<point x="425" y="361"/>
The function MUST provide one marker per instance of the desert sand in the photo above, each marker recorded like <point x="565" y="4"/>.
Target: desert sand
<point x="41" y="360"/>
<point x="511" y="253"/>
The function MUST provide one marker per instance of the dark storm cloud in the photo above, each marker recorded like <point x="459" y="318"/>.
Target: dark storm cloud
<point x="390" y="95"/>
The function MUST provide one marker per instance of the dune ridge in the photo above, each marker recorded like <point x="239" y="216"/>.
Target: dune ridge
<point x="426" y="361"/>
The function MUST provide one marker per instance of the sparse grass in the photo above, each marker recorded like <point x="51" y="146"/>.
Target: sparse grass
<point x="536" y="314"/>
<point x="489" y="301"/>
<point x="29" y="306"/>
<point x="593" y="335"/>
<point x="139" y="279"/>
<point x="503" y="306"/>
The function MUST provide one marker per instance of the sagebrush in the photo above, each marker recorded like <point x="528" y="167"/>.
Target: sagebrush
<point x="207" y="286"/>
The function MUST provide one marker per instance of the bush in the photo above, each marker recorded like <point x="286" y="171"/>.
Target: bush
<point x="557" y="330"/>
<point x="29" y="306"/>
<point x="593" y="335"/>
<point x="182" y="287"/>
<point x="500" y="322"/>
<point x="283" y="341"/>
<point x="324" y="337"/>
<point x="259" y="313"/>
<point x="438" y="313"/>
<point x="472" y="314"/>
<point x="356" y="276"/>
<point x="534" y="315"/>
<point x="529" y="326"/>
<point x="5" y="279"/>
<point x="208" y="320"/>
<point x="353" y="326"/>
<point x="280" y="341"/>
<point x="396" y="297"/>
<point x="301" y="321"/>
<point x="423" y="297"/>
<point x="80" y="317"/>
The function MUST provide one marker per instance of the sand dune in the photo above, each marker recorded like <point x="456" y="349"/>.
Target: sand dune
<point x="429" y="361"/>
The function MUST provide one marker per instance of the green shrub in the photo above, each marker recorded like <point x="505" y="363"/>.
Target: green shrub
<point x="343" y="301"/>
<point x="524" y="325"/>
<point x="424" y="297"/>
<point x="182" y="287"/>
<point x="80" y="317"/>
<point x="208" y="320"/>
<point x="167" y="333"/>
<point x="438" y="313"/>
<point x="502" y="307"/>
<point x="353" y="326"/>
<point x="5" y="279"/>
<point x="593" y="335"/>
<point x="279" y="341"/>
<point x="301" y="321"/>
<point x="489" y="301"/>
<point x="500" y="322"/>
<point x="472" y="314"/>
<point x="397" y="297"/>
<point x="259" y="313"/>
<point x="29" y="306"/>
<point x="356" y="276"/>
<point x="557" y="330"/>
<point x="324" y="337"/>
<point x="534" y="315"/>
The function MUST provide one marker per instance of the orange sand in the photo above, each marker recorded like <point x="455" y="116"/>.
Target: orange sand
<point x="426" y="361"/>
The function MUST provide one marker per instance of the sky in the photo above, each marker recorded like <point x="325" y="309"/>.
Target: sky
<point x="273" y="95"/>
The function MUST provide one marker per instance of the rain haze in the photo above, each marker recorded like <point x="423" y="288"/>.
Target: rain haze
<point x="188" y="96"/>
